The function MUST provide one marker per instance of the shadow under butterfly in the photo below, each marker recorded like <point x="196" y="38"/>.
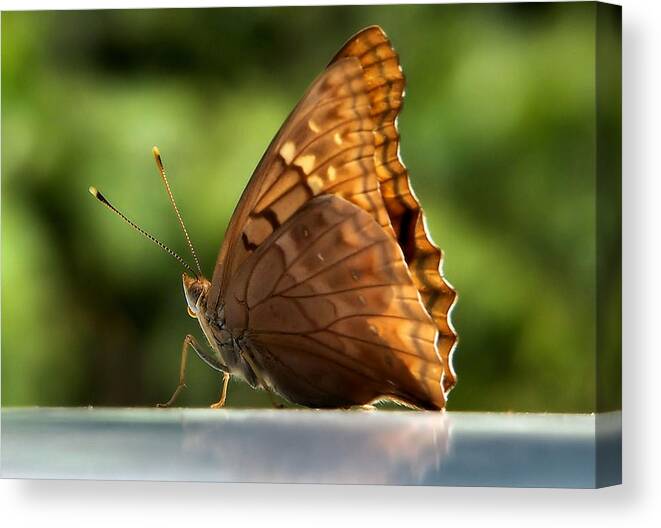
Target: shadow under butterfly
<point x="328" y="290"/>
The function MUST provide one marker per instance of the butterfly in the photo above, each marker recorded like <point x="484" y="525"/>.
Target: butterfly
<point x="328" y="289"/>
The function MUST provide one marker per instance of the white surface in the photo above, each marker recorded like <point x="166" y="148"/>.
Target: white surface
<point x="310" y="446"/>
<point x="112" y="504"/>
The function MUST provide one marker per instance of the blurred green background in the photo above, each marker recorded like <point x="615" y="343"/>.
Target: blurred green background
<point x="498" y="132"/>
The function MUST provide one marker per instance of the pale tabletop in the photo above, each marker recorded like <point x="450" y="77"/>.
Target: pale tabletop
<point x="308" y="446"/>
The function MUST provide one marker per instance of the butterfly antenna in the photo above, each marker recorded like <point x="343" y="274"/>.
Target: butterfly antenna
<point x="144" y="233"/>
<point x="161" y="170"/>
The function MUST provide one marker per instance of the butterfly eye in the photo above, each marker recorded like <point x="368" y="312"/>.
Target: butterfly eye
<point x="191" y="312"/>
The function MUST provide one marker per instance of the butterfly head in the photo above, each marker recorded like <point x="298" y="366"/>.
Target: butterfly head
<point x="195" y="289"/>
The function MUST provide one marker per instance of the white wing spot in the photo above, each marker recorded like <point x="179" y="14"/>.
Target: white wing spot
<point x="313" y="126"/>
<point x="337" y="138"/>
<point x="316" y="184"/>
<point x="331" y="173"/>
<point x="288" y="151"/>
<point x="306" y="163"/>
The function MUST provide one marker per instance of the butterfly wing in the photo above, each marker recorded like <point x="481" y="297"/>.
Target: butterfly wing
<point x="342" y="139"/>
<point x="331" y="315"/>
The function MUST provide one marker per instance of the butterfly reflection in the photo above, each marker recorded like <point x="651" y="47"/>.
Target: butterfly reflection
<point x="306" y="446"/>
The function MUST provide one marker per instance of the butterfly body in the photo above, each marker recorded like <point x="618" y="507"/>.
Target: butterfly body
<point x="226" y="344"/>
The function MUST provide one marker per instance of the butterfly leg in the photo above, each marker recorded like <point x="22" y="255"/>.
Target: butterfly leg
<point x="191" y="342"/>
<point x="223" y="393"/>
<point x="188" y="341"/>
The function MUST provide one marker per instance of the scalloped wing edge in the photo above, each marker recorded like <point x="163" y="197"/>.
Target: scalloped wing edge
<point x="385" y="82"/>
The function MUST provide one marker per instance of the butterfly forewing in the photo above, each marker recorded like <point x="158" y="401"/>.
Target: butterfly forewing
<point x="332" y="315"/>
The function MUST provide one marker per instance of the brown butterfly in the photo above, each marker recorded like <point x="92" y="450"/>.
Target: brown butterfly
<point x="328" y="289"/>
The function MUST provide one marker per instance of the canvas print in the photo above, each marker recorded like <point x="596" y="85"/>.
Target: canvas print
<point x="397" y="230"/>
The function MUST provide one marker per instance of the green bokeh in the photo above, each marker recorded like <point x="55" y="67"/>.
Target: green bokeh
<point x="498" y="132"/>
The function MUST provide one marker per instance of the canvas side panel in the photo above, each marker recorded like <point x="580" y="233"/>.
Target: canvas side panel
<point x="609" y="244"/>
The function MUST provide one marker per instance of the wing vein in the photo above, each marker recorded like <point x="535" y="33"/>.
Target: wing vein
<point x="294" y="260"/>
<point x="380" y="345"/>
<point x="332" y="264"/>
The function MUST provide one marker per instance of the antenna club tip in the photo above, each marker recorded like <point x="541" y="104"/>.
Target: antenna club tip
<point x="157" y="157"/>
<point x="93" y="191"/>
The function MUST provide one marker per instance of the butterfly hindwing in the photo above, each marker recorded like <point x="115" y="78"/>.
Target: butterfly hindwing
<point x="331" y="314"/>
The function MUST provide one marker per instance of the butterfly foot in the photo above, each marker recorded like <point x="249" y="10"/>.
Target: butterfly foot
<point x="223" y="393"/>
<point x="169" y="403"/>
